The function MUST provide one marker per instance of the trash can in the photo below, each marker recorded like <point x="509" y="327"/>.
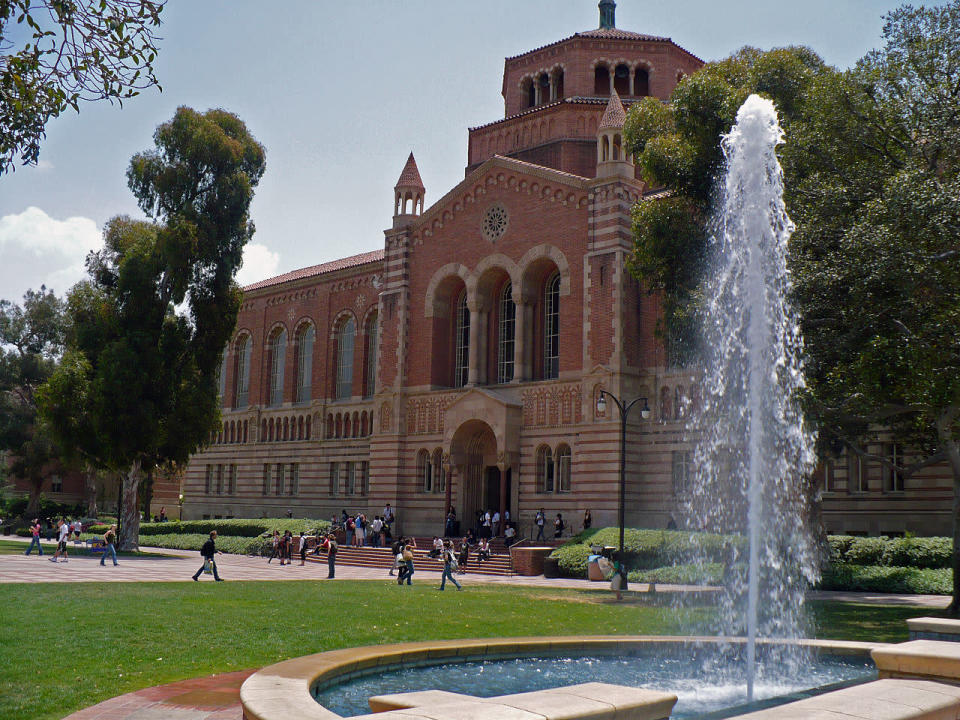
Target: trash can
<point x="594" y="572"/>
<point x="551" y="567"/>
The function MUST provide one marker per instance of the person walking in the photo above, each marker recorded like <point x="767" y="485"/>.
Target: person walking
<point x="587" y="519"/>
<point x="408" y="562"/>
<point x="275" y="547"/>
<point x="207" y="552"/>
<point x="396" y="549"/>
<point x="63" y="535"/>
<point x="449" y="565"/>
<point x="540" y="520"/>
<point x="35" y="539"/>
<point x="109" y="545"/>
<point x="330" y="547"/>
<point x="558" y="526"/>
<point x="303" y="549"/>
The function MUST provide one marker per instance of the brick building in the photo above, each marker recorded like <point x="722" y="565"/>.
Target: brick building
<point x="460" y="366"/>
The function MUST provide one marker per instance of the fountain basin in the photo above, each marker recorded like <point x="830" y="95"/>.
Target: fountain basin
<point x="285" y="689"/>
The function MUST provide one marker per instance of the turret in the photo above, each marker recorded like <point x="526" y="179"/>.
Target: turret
<point x="612" y="159"/>
<point x="408" y="194"/>
<point x="608" y="10"/>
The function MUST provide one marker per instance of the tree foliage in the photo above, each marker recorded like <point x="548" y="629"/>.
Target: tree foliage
<point x="873" y="184"/>
<point x="56" y="53"/>
<point x="31" y="339"/>
<point x="150" y="324"/>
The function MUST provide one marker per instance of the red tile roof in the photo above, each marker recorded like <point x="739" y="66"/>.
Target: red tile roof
<point x="314" y="270"/>
<point x="614" y="116"/>
<point x="410" y="177"/>
<point x="608" y="34"/>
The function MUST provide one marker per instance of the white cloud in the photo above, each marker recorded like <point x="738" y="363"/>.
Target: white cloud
<point x="259" y="263"/>
<point x="37" y="249"/>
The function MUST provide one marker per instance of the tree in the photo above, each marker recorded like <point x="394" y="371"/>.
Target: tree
<point x="151" y="323"/>
<point x="876" y="256"/>
<point x="56" y="53"/>
<point x="31" y="339"/>
<point x="871" y="174"/>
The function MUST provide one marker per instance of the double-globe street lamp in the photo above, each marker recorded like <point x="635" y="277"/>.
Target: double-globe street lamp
<point x="624" y="408"/>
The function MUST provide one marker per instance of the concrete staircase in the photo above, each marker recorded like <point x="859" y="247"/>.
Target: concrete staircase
<point x="498" y="564"/>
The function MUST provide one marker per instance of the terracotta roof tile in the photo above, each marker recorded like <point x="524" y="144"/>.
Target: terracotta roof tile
<point x="314" y="270"/>
<point x="410" y="177"/>
<point x="614" y="116"/>
<point x="608" y="34"/>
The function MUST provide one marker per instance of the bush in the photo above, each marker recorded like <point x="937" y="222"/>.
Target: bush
<point x="877" y="578"/>
<point x="237" y="527"/>
<point x="708" y="574"/>
<point x="235" y="545"/>
<point x="649" y="549"/>
<point x="928" y="552"/>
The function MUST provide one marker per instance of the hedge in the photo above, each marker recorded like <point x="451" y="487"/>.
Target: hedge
<point x="707" y="574"/>
<point x="235" y="544"/>
<point x="237" y="527"/>
<point x="878" y="578"/>
<point x="926" y="552"/>
<point x="649" y="549"/>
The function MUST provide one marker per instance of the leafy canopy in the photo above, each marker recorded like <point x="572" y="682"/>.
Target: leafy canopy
<point x="55" y="53"/>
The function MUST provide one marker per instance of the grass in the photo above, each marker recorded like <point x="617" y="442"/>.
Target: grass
<point x="66" y="646"/>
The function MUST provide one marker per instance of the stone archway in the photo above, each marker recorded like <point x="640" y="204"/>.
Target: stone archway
<point x="473" y="450"/>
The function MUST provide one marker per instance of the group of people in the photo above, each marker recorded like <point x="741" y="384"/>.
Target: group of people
<point x="442" y="550"/>
<point x="282" y="546"/>
<point x="540" y="521"/>
<point x="66" y="529"/>
<point x="360" y="531"/>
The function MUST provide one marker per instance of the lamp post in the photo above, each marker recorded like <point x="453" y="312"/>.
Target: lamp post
<point x="180" y="503"/>
<point x="624" y="408"/>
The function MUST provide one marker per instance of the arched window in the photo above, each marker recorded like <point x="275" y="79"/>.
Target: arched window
<point x="461" y="362"/>
<point x="505" y="344"/>
<point x="263" y="430"/>
<point x="309" y="422"/>
<point x="678" y="399"/>
<point x="558" y="84"/>
<point x="370" y="381"/>
<point x="330" y="425"/>
<point x="601" y="80"/>
<point x="425" y="471"/>
<point x="665" y="413"/>
<point x="641" y="82"/>
<point x="621" y="80"/>
<point x="222" y="376"/>
<point x="345" y="359"/>
<point x="551" y="327"/>
<point x="543" y="86"/>
<point x="270" y="431"/>
<point x="544" y="470"/>
<point x="563" y="469"/>
<point x="439" y="472"/>
<point x="305" y="363"/>
<point x="241" y="377"/>
<point x="278" y="359"/>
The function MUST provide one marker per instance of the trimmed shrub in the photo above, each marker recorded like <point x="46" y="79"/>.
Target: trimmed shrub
<point x="237" y="527"/>
<point x="927" y="552"/>
<point x="235" y="545"/>
<point x="876" y="578"/>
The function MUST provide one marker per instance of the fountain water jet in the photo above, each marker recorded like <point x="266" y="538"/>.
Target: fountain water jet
<point x="753" y="450"/>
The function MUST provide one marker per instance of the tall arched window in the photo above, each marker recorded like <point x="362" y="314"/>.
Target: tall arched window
<point x="222" y="376"/>
<point x="544" y="470"/>
<point x="278" y="361"/>
<point x="425" y="471"/>
<point x="345" y="337"/>
<point x="551" y="327"/>
<point x="305" y="363"/>
<point x="505" y="344"/>
<point x="461" y="361"/>
<point x="563" y="469"/>
<point x="241" y="378"/>
<point x="370" y="382"/>
<point x="641" y="82"/>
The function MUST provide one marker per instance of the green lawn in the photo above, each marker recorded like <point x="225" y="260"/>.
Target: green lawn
<point x="13" y="547"/>
<point x="63" y="647"/>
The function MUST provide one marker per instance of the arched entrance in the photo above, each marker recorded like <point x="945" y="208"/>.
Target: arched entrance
<point x="483" y="483"/>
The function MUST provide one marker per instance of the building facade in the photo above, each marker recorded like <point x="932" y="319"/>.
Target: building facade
<point x="460" y="366"/>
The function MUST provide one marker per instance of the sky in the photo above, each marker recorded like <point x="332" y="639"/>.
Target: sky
<point x="339" y="93"/>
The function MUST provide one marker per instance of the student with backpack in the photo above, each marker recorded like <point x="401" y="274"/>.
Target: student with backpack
<point x="449" y="565"/>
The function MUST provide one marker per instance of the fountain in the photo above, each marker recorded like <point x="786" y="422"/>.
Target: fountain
<point x="753" y="452"/>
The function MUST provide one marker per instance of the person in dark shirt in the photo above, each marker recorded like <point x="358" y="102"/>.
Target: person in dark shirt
<point x="208" y="551"/>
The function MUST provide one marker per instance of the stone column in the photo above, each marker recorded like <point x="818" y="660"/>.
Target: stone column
<point x="503" y="493"/>
<point x="519" y="339"/>
<point x="632" y="89"/>
<point x="473" y="352"/>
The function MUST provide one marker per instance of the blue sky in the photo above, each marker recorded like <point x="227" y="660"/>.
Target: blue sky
<point x="339" y="93"/>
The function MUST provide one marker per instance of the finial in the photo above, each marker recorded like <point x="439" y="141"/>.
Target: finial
<point x="608" y="9"/>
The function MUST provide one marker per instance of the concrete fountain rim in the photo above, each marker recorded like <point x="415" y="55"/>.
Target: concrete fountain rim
<point x="283" y="690"/>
